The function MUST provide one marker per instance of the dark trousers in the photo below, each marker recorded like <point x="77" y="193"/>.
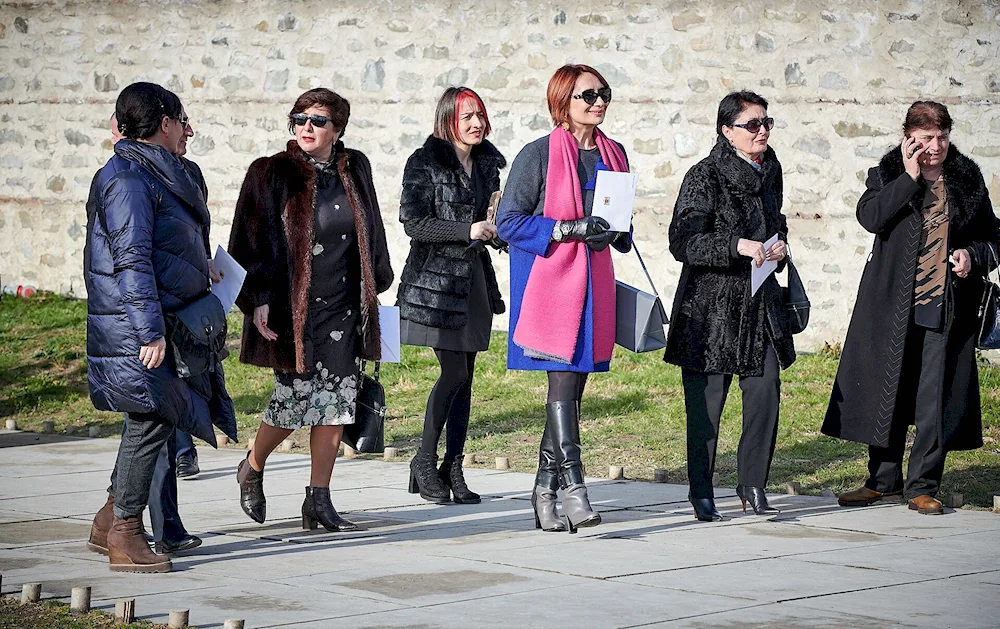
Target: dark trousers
<point x="144" y="436"/>
<point x="705" y="397"/>
<point x="164" y="516"/>
<point x="919" y="401"/>
<point x="185" y="443"/>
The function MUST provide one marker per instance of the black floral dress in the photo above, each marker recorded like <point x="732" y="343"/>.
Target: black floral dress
<point x="325" y="396"/>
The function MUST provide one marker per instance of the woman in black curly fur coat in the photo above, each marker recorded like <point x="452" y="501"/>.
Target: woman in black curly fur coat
<point x="728" y="206"/>
<point x="448" y="291"/>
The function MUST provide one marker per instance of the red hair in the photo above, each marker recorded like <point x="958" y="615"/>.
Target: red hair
<point x="560" y="91"/>
<point x="446" y="116"/>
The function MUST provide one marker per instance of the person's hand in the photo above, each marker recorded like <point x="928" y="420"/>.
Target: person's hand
<point x="483" y="230"/>
<point x="152" y="354"/>
<point x="912" y="150"/>
<point x="216" y="277"/>
<point x="580" y="229"/>
<point x="260" y="321"/>
<point x="600" y="241"/>
<point x="752" y="249"/>
<point x="777" y="252"/>
<point x="961" y="262"/>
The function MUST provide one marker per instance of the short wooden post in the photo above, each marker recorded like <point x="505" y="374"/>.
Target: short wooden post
<point x="659" y="475"/>
<point x="11" y="424"/>
<point x="222" y="440"/>
<point x="502" y="463"/>
<point x="249" y="444"/>
<point x="233" y="624"/>
<point x="616" y="472"/>
<point x="125" y="610"/>
<point x="48" y="427"/>
<point x="349" y="452"/>
<point x="390" y="453"/>
<point x="793" y="488"/>
<point x="30" y="593"/>
<point x="286" y="445"/>
<point x="955" y="500"/>
<point x="94" y="431"/>
<point x="469" y="460"/>
<point x="715" y="479"/>
<point x="80" y="600"/>
<point x="996" y="502"/>
<point x="178" y="619"/>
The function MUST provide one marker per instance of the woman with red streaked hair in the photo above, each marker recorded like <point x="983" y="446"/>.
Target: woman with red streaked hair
<point x="448" y="291"/>
<point x="562" y="280"/>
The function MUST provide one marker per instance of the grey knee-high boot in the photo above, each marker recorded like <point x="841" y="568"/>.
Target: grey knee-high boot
<point x="564" y="419"/>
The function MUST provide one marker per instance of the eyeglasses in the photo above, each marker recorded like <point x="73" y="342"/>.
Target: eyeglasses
<point x="753" y="126"/>
<point x="590" y="96"/>
<point x="184" y="120"/>
<point x="317" y="121"/>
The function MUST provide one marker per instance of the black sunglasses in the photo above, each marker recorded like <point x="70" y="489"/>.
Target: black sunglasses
<point x="753" y="126"/>
<point x="590" y="96"/>
<point x="317" y="121"/>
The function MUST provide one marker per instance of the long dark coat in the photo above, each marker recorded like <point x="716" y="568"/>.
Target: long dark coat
<point x="717" y="327"/>
<point x="864" y="394"/>
<point x="272" y="238"/>
<point x="437" y="208"/>
<point x="146" y="255"/>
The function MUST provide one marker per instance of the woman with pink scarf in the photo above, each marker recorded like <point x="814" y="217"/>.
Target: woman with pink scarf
<point x="562" y="280"/>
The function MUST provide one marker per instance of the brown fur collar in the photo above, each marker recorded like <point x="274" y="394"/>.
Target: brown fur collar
<point x="298" y="219"/>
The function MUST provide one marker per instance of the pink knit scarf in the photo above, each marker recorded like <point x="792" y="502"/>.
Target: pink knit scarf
<point x="553" y="302"/>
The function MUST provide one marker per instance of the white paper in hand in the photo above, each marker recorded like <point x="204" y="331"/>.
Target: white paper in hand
<point x="758" y="275"/>
<point x="232" y="278"/>
<point x="388" y="321"/>
<point x="614" y="196"/>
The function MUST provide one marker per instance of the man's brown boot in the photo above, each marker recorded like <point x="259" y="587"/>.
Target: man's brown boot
<point x="128" y="550"/>
<point x="98" y="541"/>
<point x="862" y="497"/>
<point x="927" y="505"/>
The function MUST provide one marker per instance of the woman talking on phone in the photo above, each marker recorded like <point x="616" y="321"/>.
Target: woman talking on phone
<point x="910" y="352"/>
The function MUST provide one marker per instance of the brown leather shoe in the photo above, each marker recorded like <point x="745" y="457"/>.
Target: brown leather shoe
<point x="98" y="541"/>
<point x="863" y="496"/>
<point x="128" y="550"/>
<point x="927" y="505"/>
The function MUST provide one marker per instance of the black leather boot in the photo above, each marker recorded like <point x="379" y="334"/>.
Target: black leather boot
<point x="251" y="490"/>
<point x="317" y="509"/>
<point x="757" y="499"/>
<point x="453" y="478"/>
<point x="563" y="419"/>
<point x="704" y="510"/>
<point x="424" y="479"/>
<point x="544" y="496"/>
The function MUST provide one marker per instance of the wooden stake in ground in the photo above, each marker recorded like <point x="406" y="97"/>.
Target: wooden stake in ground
<point x="125" y="610"/>
<point x="233" y="624"/>
<point x="80" y="600"/>
<point x="178" y="619"/>
<point x="30" y="593"/>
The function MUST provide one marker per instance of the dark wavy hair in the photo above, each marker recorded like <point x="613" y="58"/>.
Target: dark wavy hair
<point x="733" y="104"/>
<point x="141" y="107"/>
<point x="927" y="114"/>
<point x="337" y="105"/>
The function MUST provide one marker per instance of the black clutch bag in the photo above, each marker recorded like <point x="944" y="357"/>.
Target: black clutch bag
<point x="796" y="300"/>
<point x="197" y="336"/>
<point x="367" y="433"/>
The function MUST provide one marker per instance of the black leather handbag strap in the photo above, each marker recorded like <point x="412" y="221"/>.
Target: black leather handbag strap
<point x="378" y="368"/>
<point x="659" y="302"/>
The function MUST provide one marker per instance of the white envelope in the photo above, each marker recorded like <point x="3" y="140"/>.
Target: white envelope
<point x="614" y="196"/>
<point x="232" y="281"/>
<point x="388" y="320"/>
<point x="758" y="275"/>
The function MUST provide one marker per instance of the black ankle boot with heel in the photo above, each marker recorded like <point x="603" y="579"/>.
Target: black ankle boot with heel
<point x="251" y="490"/>
<point x="424" y="479"/>
<point x="453" y="478"/>
<point x="317" y="509"/>
<point x="757" y="499"/>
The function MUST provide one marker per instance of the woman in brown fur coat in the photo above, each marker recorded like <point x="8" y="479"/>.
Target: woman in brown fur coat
<point x="308" y="230"/>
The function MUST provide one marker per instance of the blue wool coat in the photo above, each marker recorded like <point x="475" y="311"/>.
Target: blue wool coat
<point x="147" y="255"/>
<point x="521" y="222"/>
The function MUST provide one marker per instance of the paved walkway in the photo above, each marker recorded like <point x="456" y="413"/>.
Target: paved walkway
<point x="420" y="565"/>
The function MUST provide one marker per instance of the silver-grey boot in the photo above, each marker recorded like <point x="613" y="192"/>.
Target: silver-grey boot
<point x="577" y="509"/>
<point x="564" y="419"/>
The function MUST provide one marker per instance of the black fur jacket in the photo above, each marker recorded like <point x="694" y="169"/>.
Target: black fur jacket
<point x="717" y="327"/>
<point x="437" y="209"/>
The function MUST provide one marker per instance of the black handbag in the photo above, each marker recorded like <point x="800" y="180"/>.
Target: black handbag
<point x="197" y="335"/>
<point x="367" y="433"/>
<point x="989" y="309"/>
<point x="795" y="299"/>
<point x="640" y="316"/>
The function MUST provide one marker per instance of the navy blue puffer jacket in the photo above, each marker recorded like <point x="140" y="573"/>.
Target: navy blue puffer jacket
<point x="147" y="255"/>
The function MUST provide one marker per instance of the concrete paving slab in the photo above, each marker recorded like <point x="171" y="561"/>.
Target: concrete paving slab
<point x="791" y="615"/>
<point x="771" y="580"/>
<point x="959" y="603"/>
<point x="899" y="520"/>
<point x="20" y="534"/>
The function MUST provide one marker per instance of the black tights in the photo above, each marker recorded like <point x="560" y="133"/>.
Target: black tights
<point x="449" y="403"/>
<point x="566" y="386"/>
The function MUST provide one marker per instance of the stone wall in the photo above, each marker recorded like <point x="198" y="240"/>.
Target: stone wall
<point x="839" y="77"/>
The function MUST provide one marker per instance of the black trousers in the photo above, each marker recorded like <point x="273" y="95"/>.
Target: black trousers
<point x="705" y="397"/>
<point x="919" y="401"/>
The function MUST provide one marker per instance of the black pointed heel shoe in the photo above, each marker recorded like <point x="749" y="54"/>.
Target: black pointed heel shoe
<point x="705" y="511"/>
<point x="317" y="509"/>
<point x="251" y="490"/>
<point x="757" y="499"/>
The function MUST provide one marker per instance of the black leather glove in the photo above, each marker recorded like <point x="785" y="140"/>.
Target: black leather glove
<point x="622" y="242"/>
<point x="499" y="244"/>
<point x="580" y="229"/>
<point x="601" y="241"/>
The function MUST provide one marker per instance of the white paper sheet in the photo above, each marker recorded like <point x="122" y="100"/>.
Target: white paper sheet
<point x="388" y="320"/>
<point x="232" y="281"/>
<point x="758" y="275"/>
<point x="614" y="196"/>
